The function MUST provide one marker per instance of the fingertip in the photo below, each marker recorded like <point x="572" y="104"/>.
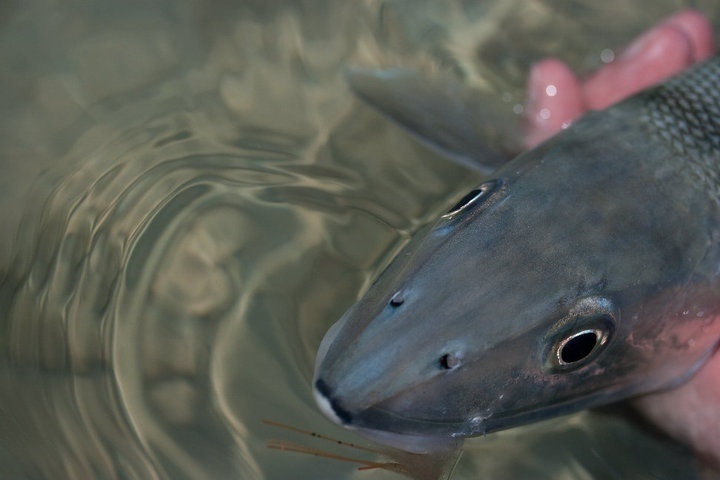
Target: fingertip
<point x="699" y="31"/>
<point x="659" y="53"/>
<point x="554" y="100"/>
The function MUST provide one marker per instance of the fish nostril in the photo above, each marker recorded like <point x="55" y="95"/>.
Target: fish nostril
<point x="324" y="390"/>
<point x="397" y="299"/>
<point x="449" y="361"/>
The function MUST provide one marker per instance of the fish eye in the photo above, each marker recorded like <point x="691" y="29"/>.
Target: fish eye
<point x="581" y="335"/>
<point x="577" y="348"/>
<point x="473" y="197"/>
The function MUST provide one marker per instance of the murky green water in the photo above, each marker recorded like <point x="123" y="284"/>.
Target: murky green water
<point x="191" y="197"/>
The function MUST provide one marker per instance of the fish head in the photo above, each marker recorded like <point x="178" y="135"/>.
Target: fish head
<point x="529" y="298"/>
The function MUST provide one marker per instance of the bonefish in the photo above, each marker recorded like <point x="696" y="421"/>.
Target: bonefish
<point x="583" y="272"/>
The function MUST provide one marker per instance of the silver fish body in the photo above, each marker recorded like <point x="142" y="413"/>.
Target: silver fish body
<point x="585" y="272"/>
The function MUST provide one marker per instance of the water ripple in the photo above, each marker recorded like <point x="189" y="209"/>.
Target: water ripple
<point x="191" y="197"/>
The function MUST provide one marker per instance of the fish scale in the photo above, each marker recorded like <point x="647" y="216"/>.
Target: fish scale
<point x="685" y="113"/>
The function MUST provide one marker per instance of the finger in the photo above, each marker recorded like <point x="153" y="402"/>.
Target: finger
<point x="691" y="412"/>
<point x="554" y="100"/>
<point x="661" y="52"/>
<point x="699" y="31"/>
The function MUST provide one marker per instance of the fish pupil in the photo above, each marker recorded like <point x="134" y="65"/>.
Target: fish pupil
<point x="578" y="347"/>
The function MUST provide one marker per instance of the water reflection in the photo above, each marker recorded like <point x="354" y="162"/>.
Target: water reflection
<point x="191" y="197"/>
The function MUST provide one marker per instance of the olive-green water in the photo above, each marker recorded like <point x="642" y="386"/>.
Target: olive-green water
<point x="190" y="196"/>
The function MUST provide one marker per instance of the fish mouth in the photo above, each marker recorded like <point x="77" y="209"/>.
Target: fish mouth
<point x="445" y="436"/>
<point x="427" y="436"/>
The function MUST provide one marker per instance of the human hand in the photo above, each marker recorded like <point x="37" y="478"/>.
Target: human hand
<point x="556" y="96"/>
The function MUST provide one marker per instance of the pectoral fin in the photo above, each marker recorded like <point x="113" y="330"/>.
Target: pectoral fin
<point x="473" y="128"/>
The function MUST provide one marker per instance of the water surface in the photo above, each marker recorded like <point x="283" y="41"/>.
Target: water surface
<point x="191" y="197"/>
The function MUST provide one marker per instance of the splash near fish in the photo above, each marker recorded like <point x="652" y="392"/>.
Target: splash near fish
<point x="583" y="272"/>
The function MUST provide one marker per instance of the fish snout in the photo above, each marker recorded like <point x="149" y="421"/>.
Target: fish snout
<point x="417" y="443"/>
<point x="329" y="405"/>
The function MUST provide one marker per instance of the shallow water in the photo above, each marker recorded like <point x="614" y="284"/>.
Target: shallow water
<point x="191" y="197"/>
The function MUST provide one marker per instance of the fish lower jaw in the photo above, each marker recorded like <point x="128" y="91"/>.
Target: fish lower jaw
<point x="412" y="443"/>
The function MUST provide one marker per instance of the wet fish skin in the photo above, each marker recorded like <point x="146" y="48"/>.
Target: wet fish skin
<point x="443" y="113"/>
<point x="607" y="235"/>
